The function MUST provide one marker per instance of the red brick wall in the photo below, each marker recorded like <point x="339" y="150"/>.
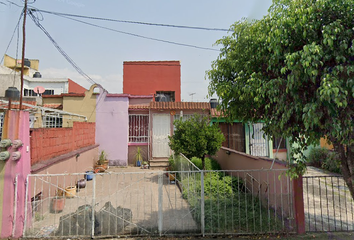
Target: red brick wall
<point x="47" y="143"/>
<point x="145" y="78"/>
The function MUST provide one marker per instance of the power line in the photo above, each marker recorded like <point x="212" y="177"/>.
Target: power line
<point x="65" y="55"/>
<point x="140" y="36"/>
<point x="132" y="22"/>
<point x="13" y="34"/>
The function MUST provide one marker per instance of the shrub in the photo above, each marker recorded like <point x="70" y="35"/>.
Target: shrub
<point x="325" y="159"/>
<point x="317" y="156"/>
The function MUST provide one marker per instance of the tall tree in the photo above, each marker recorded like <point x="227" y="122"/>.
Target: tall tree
<point x="196" y="137"/>
<point x="294" y="70"/>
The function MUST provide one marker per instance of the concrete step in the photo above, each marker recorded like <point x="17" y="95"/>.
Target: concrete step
<point x="158" y="164"/>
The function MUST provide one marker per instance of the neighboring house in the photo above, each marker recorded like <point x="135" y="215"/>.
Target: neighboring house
<point x="247" y="138"/>
<point x="162" y="79"/>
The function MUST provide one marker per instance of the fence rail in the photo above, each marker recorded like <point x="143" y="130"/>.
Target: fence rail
<point x="328" y="204"/>
<point x="151" y="203"/>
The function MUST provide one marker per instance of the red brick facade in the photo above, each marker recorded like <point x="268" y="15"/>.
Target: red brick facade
<point x="47" y="143"/>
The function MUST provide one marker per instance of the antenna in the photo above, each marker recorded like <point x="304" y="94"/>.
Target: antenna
<point x="191" y="94"/>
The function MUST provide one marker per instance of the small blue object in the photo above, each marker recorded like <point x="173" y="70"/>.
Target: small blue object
<point x="138" y="163"/>
<point x="89" y="175"/>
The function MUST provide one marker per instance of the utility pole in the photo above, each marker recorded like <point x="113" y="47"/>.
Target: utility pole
<point x="23" y="51"/>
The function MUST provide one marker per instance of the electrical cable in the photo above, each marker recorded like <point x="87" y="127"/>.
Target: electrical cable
<point x="13" y="34"/>
<point x="133" y="22"/>
<point x="56" y="45"/>
<point x="141" y="36"/>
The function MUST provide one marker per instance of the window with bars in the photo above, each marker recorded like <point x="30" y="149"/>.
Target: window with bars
<point x="234" y="136"/>
<point x="2" y="114"/>
<point x="279" y="142"/>
<point x="53" y="122"/>
<point x="138" y="128"/>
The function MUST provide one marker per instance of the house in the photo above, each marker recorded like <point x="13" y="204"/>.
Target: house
<point x="249" y="138"/>
<point x="162" y="79"/>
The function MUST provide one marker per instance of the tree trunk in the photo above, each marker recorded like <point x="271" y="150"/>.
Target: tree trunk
<point x="347" y="160"/>
<point x="203" y="162"/>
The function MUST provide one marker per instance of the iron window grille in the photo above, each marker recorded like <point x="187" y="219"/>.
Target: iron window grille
<point x="138" y="128"/>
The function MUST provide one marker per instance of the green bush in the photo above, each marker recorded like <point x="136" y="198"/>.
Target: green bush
<point x="325" y="159"/>
<point x="317" y="156"/>
<point x="210" y="164"/>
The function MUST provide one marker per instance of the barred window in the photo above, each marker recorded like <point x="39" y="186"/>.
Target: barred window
<point x="138" y="128"/>
<point x="53" y="122"/>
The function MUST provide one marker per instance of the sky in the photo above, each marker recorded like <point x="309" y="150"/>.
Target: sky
<point x="100" y="53"/>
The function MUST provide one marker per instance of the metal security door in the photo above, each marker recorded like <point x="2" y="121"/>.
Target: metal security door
<point x="160" y="133"/>
<point x="258" y="144"/>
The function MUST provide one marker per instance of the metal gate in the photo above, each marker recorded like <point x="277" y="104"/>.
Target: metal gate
<point x="258" y="143"/>
<point x="328" y="204"/>
<point x="144" y="203"/>
<point x="148" y="203"/>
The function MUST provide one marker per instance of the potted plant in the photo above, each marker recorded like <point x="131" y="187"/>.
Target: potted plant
<point x="58" y="201"/>
<point x="70" y="191"/>
<point x="102" y="163"/>
<point x="171" y="167"/>
<point x="145" y="165"/>
<point x="138" y="157"/>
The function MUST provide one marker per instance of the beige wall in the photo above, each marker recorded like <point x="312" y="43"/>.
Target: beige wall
<point x="82" y="105"/>
<point x="271" y="185"/>
<point x="72" y="164"/>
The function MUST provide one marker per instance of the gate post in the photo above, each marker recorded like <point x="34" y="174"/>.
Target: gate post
<point x="93" y="206"/>
<point x="160" y="203"/>
<point x="202" y="218"/>
<point x="299" y="205"/>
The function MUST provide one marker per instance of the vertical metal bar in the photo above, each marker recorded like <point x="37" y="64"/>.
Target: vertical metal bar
<point x="281" y="202"/>
<point x="334" y="209"/>
<point x="160" y="203"/>
<point x="202" y="217"/>
<point x="314" y="204"/>
<point x="275" y="200"/>
<point x="260" y="200"/>
<point x="26" y="206"/>
<point x="346" y="209"/>
<point x="253" y="212"/>
<point x="320" y="194"/>
<point x="268" y="194"/>
<point x="246" y="200"/>
<point x="340" y="210"/>
<point x="15" y="207"/>
<point x="93" y="206"/>
<point x="327" y="206"/>
<point x="308" y="204"/>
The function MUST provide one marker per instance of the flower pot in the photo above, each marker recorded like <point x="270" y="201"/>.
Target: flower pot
<point x="89" y="175"/>
<point x="100" y="167"/>
<point x="138" y="163"/>
<point x="70" y="191"/>
<point x="81" y="183"/>
<point x="57" y="204"/>
<point x="172" y="176"/>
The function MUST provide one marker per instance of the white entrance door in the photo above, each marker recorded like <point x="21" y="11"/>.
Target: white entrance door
<point x="160" y="133"/>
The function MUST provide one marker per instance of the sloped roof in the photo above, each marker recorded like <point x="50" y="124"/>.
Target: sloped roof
<point x="75" y="88"/>
<point x="180" y="105"/>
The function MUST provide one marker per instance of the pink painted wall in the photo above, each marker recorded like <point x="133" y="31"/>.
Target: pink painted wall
<point x="16" y="126"/>
<point x="271" y="185"/>
<point x="112" y="126"/>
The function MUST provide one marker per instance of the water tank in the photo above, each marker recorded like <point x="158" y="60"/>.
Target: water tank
<point x="213" y="103"/>
<point x="27" y="62"/>
<point x="12" y="93"/>
<point x="37" y="75"/>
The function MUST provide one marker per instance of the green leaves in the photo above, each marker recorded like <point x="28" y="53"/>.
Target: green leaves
<point x="293" y="70"/>
<point x="196" y="137"/>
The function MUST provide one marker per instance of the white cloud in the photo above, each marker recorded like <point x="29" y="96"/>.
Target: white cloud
<point x="112" y="82"/>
